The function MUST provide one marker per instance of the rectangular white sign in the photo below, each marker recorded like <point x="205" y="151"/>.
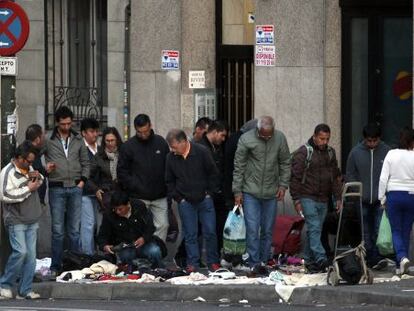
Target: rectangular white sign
<point x="170" y="60"/>
<point x="196" y="79"/>
<point x="8" y="66"/>
<point x="265" y="34"/>
<point x="265" y="55"/>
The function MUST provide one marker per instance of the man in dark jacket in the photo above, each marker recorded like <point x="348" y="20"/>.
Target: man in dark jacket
<point x="213" y="140"/>
<point x="67" y="154"/>
<point x="364" y="164"/>
<point x="315" y="177"/>
<point x="128" y="232"/>
<point x="141" y="171"/>
<point x="191" y="177"/>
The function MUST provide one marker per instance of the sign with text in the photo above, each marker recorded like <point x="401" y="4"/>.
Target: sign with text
<point x="170" y="60"/>
<point x="14" y="28"/>
<point x="265" y="34"/>
<point x="265" y="55"/>
<point x="8" y="66"/>
<point x="196" y="79"/>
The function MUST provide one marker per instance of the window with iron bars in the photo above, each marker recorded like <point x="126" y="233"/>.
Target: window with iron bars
<point x="76" y="58"/>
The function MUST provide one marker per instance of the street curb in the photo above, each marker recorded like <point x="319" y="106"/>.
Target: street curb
<point x="157" y="292"/>
<point x="358" y="294"/>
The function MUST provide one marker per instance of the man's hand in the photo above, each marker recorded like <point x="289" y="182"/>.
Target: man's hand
<point x="108" y="249"/>
<point x="238" y="200"/>
<point x="81" y="184"/>
<point x="280" y="194"/>
<point x="34" y="175"/>
<point x="338" y="205"/>
<point x="298" y="207"/>
<point x="33" y="185"/>
<point x="50" y="167"/>
<point x="99" y="195"/>
<point x="139" y="242"/>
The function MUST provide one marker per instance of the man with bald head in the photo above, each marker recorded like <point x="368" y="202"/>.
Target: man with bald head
<point x="260" y="178"/>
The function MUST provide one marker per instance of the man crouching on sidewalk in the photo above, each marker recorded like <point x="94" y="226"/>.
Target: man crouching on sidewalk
<point x="128" y="231"/>
<point x="22" y="210"/>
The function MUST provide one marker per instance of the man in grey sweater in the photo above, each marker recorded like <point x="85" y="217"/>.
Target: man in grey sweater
<point x="67" y="153"/>
<point x="364" y="164"/>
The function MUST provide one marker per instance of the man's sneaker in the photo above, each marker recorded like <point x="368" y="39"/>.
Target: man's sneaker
<point x="380" y="265"/>
<point x="404" y="264"/>
<point x="259" y="269"/>
<point x="242" y="267"/>
<point x="5" y="293"/>
<point x="190" y="269"/>
<point x="180" y="262"/>
<point x="272" y="263"/>
<point x="30" y="295"/>
<point x="214" y="267"/>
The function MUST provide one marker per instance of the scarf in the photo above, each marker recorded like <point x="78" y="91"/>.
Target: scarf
<point x="113" y="162"/>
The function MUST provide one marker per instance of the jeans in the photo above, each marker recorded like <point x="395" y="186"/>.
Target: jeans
<point x="372" y="214"/>
<point x="259" y="215"/>
<point x="22" y="260"/>
<point x="400" y="211"/>
<point x="64" y="201"/>
<point x="150" y="251"/>
<point x="159" y="211"/>
<point x="88" y="224"/>
<point x="190" y="214"/>
<point x="314" y="213"/>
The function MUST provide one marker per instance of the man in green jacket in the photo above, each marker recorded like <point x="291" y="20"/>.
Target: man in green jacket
<point x="261" y="176"/>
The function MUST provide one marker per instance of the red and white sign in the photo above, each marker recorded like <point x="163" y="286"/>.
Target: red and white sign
<point x="14" y="28"/>
<point x="265" y="34"/>
<point x="170" y="60"/>
<point x="265" y="55"/>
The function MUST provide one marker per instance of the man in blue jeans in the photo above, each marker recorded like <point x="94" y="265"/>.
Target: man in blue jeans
<point x="315" y="177"/>
<point x="68" y="157"/>
<point x="22" y="210"/>
<point x="191" y="177"/>
<point x="261" y="176"/>
<point x="364" y="164"/>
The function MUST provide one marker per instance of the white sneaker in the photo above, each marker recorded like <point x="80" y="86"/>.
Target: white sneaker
<point x="5" y="293"/>
<point x="30" y="295"/>
<point x="404" y="264"/>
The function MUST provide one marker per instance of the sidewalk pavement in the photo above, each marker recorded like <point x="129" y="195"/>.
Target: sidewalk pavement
<point x="388" y="294"/>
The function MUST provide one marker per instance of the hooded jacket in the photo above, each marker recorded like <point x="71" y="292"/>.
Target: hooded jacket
<point x="21" y="206"/>
<point x="322" y="176"/>
<point x="141" y="167"/>
<point x="364" y="165"/>
<point x="261" y="166"/>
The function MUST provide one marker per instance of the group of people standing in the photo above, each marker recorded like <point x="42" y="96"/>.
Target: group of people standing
<point x="116" y="196"/>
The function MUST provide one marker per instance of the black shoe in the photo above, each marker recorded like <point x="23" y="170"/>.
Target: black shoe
<point x="180" y="262"/>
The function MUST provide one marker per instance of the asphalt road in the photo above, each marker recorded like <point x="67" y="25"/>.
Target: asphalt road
<point x="84" y="305"/>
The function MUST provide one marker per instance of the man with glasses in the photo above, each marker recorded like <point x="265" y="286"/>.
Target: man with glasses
<point x="22" y="210"/>
<point x="141" y="171"/>
<point x="261" y="176"/>
<point x="67" y="156"/>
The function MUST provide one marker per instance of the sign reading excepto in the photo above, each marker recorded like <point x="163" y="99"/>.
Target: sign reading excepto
<point x="265" y="34"/>
<point x="170" y="60"/>
<point x="14" y="28"/>
<point x="196" y="79"/>
<point x="265" y="55"/>
<point x="8" y="66"/>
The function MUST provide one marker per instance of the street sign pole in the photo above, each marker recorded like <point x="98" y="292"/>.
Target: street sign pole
<point x="14" y="31"/>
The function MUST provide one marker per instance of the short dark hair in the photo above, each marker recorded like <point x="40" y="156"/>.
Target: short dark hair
<point x="177" y="135"/>
<point x="322" y="128"/>
<point x="141" y="120"/>
<point x="119" y="198"/>
<point x="203" y="122"/>
<point x="111" y="130"/>
<point x="89" y="123"/>
<point x="63" y="112"/>
<point x="24" y="149"/>
<point x="372" y="130"/>
<point x="407" y="138"/>
<point x="218" y="125"/>
<point x="33" y="131"/>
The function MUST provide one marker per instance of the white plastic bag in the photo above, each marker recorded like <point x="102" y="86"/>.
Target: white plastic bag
<point x="234" y="234"/>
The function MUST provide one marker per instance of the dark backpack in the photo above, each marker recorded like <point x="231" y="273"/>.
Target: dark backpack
<point x="287" y="233"/>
